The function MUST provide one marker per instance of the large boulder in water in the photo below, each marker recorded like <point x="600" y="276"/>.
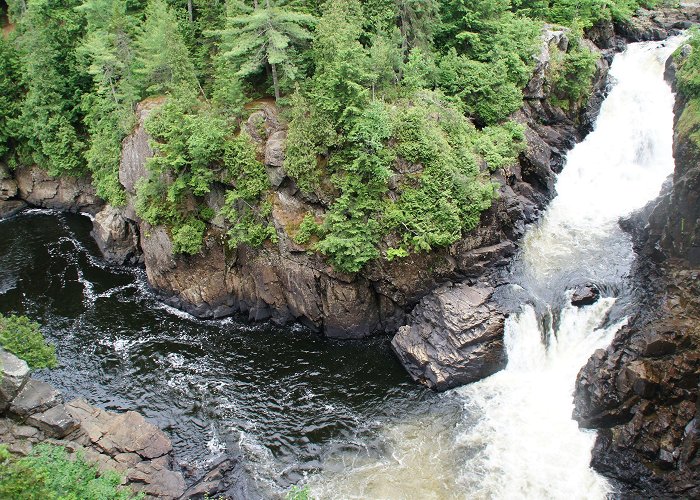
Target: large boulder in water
<point x="585" y="295"/>
<point x="117" y="236"/>
<point x="456" y="337"/>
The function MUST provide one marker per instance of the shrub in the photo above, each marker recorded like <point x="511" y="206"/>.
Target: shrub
<point x="188" y="237"/>
<point x="49" y="474"/>
<point x="24" y="339"/>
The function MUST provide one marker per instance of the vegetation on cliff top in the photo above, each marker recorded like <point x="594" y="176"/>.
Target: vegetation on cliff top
<point x="688" y="80"/>
<point x="398" y="110"/>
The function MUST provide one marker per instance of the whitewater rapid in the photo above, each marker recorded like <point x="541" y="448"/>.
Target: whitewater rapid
<point x="511" y="435"/>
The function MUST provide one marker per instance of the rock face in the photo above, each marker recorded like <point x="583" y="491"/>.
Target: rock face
<point x="125" y="443"/>
<point x="73" y="194"/>
<point x="642" y="391"/>
<point x="116" y="236"/>
<point x="455" y="337"/>
<point x="285" y="283"/>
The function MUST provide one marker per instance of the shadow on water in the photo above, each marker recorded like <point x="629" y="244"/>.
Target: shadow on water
<point x="280" y="395"/>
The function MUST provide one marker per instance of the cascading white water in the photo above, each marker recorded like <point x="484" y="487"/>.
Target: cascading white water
<point x="514" y="436"/>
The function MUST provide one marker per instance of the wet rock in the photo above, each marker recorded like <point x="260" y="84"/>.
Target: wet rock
<point x="14" y="373"/>
<point x="643" y="391"/>
<point x="116" y="236"/>
<point x="55" y="422"/>
<point x="72" y="194"/>
<point x="11" y="207"/>
<point x="35" y="397"/>
<point x="455" y="337"/>
<point x="585" y="295"/>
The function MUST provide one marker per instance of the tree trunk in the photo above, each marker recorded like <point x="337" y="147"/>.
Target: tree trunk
<point x="275" y="82"/>
<point x="190" y="10"/>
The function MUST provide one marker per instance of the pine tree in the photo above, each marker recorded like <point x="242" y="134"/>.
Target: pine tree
<point x="107" y="54"/>
<point x="265" y="35"/>
<point x="162" y="63"/>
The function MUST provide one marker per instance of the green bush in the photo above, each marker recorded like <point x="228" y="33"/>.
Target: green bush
<point x="571" y="75"/>
<point x="24" y="339"/>
<point x="49" y="474"/>
<point x="688" y="75"/>
<point x="188" y="237"/>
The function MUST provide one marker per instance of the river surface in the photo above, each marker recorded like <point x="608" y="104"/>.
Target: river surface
<point x="343" y="417"/>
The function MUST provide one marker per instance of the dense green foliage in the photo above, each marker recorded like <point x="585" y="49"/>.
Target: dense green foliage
<point x="49" y="474"/>
<point x="688" y="78"/>
<point x="24" y="339"/>
<point x="397" y="110"/>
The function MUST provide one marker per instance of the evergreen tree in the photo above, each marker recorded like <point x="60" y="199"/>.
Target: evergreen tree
<point x="265" y="35"/>
<point x="51" y="118"/>
<point x="10" y="97"/>
<point x="162" y="63"/>
<point x="107" y="52"/>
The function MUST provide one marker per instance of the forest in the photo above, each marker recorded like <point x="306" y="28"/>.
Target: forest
<point x="366" y="88"/>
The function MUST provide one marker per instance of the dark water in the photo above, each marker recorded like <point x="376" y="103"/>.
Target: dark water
<point x="284" y="396"/>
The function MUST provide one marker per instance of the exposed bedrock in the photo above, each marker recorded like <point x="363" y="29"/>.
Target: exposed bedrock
<point x="455" y="337"/>
<point x="32" y="186"/>
<point x="642" y="391"/>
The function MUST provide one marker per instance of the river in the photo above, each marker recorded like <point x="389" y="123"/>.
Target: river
<point x="343" y="417"/>
<point x="513" y="436"/>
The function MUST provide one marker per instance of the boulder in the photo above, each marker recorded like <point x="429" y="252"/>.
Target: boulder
<point x="55" y="422"/>
<point x="455" y="337"/>
<point x="274" y="149"/>
<point x="116" y="236"/>
<point x="585" y="295"/>
<point x="14" y="373"/>
<point x="35" y="397"/>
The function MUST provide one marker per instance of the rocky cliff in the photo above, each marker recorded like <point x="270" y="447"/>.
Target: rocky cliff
<point x="455" y="334"/>
<point x="285" y="283"/>
<point x="642" y="391"/>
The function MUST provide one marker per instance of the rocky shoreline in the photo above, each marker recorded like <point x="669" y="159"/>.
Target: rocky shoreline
<point x="32" y="412"/>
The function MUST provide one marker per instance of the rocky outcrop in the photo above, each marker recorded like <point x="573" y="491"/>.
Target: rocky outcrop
<point x="33" y="412"/>
<point x="642" y="392"/>
<point x="646" y="25"/>
<point x="116" y="236"/>
<point x="455" y="337"/>
<point x="284" y="282"/>
<point x="32" y="186"/>
<point x="659" y="23"/>
<point x="72" y="194"/>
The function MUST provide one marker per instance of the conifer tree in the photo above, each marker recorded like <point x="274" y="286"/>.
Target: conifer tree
<point x="51" y="118"/>
<point x="162" y="62"/>
<point x="265" y="35"/>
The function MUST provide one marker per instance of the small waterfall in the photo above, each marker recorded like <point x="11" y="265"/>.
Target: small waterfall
<point x="513" y="436"/>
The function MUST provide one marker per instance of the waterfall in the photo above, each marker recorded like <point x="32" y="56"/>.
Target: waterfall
<point x="512" y="435"/>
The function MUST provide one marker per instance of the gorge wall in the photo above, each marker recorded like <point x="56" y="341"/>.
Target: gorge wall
<point x="642" y="391"/>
